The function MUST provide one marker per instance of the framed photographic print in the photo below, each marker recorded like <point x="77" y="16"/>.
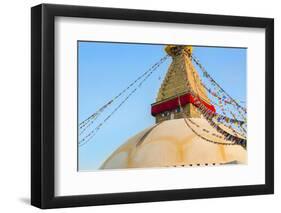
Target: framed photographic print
<point x="140" y="106"/>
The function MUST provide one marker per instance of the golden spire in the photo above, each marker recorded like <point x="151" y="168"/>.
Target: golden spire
<point x="181" y="75"/>
<point x="181" y="78"/>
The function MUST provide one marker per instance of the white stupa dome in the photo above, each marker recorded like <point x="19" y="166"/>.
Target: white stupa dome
<point x="172" y="143"/>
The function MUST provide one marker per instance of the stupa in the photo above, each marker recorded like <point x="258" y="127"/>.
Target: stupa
<point x="178" y="137"/>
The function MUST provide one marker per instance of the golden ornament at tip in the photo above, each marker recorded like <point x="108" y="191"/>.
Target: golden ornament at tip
<point x="174" y="50"/>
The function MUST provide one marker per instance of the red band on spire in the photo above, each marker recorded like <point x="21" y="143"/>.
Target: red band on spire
<point x="174" y="103"/>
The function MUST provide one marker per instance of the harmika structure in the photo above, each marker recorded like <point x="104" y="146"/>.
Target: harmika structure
<point x="183" y="136"/>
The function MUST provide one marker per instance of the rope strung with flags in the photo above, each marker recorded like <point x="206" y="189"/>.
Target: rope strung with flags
<point x="91" y="119"/>
<point x="222" y="100"/>
<point x="223" y="118"/>
<point x="206" y="74"/>
<point x="94" y="116"/>
<point x="202" y="137"/>
<point x="209" y="111"/>
<point x="220" y="118"/>
<point x="209" y="115"/>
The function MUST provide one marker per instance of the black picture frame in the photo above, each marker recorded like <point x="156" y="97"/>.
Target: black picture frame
<point x="43" y="102"/>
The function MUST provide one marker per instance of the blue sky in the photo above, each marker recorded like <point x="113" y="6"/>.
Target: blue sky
<point x="107" y="68"/>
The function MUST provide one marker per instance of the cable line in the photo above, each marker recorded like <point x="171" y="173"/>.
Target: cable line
<point x="101" y="109"/>
<point x="195" y="59"/>
<point x="93" y="132"/>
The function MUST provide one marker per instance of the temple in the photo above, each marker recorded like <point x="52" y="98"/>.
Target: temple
<point x="182" y="136"/>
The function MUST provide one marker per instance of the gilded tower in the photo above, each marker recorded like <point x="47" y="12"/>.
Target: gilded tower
<point x="181" y="82"/>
